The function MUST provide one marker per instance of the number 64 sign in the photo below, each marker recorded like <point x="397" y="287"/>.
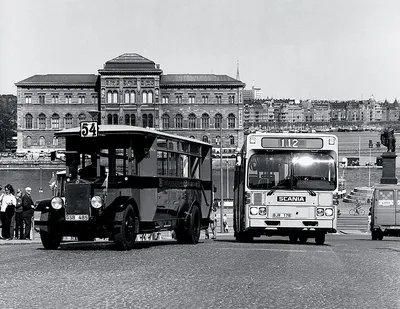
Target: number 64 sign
<point x="89" y="129"/>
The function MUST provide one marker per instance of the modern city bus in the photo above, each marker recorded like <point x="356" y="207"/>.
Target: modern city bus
<point x="286" y="184"/>
<point x="121" y="181"/>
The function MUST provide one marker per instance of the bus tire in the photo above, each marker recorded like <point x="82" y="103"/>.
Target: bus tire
<point x="303" y="239"/>
<point x="245" y="237"/>
<point x="124" y="235"/>
<point x="50" y="236"/>
<point x="189" y="233"/>
<point x="320" y="238"/>
<point x="293" y="238"/>
<point x="374" y="235"/>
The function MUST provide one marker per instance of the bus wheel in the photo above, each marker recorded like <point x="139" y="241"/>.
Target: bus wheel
<point x="49" y="236"/>
<point x="293" y="238"/>
<point x="190" y="234"/>
<point x="124" y="234"/>
<point x="303" y="239"/>
<point x="320" y="238"/>
<point x="244" y="237"/>
<point x="374" y="234"/>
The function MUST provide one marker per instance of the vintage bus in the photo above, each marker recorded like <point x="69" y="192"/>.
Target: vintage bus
<point x="286" y="184"/>
<point x="121" y="181"/>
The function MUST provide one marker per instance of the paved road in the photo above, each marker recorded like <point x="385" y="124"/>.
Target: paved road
<point x="350" y="271"/>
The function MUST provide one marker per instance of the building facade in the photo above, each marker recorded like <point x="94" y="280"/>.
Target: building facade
<point x="132" y="90"/>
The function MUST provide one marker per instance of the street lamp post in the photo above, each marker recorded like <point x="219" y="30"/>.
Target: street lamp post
<point x="222" y="176"/>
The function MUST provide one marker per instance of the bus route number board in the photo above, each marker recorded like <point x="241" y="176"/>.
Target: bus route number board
<point x="89" y="129"/>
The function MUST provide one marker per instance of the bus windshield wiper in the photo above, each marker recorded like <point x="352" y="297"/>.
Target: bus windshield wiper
<point x="273" y="189"/>
<point x="309" y="190"/>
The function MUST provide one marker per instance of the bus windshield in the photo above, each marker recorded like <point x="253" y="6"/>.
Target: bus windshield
<point x="290" y="170"/>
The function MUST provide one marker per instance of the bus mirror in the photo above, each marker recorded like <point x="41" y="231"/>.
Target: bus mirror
<point x="52" y="155"/>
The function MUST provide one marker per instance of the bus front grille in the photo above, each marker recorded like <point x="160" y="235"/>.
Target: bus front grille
<point x="257" y="198"/>
<point x="77" y="198"/>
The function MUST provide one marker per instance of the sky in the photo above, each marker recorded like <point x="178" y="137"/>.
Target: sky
<point x="300" y="49"/>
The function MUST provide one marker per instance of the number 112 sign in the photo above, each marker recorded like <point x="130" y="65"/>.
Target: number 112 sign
<point x="89" y="129"/>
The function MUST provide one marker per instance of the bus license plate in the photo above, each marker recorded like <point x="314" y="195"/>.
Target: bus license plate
<point x="278" y="215"/>
<point x="77" y="217"/>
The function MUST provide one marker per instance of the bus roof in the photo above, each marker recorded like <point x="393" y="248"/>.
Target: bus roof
<point x="128" y="130"/>
<point x="274" y="134"/>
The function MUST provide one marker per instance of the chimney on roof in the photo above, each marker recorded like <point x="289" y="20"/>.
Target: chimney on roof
<point x="237" y="71"/>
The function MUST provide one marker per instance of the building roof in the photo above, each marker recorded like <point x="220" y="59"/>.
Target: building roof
<point x="130" y="62"/>
<point x="84" y="80"/>
<point x="199" y="79"/>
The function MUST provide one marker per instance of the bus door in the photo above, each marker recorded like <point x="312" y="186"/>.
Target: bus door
<point x="385" y="208"/>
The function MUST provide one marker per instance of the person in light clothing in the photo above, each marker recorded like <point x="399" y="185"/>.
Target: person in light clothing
<point x="7" y="208"/>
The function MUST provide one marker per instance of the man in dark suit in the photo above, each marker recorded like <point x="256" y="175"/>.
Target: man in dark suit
<point x="27" y="212"/>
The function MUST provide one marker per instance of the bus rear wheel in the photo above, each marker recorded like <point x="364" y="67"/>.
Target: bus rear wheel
<point x="293" y="238"/>
<point x="303" y="239"/>
<point x="189" y="232"/>
<point x="124" y="233"/>
<point x="50" y="236"/>
<point x="320" y="238"/>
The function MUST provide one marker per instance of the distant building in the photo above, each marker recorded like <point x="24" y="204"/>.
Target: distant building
<point x="132" y="90"/>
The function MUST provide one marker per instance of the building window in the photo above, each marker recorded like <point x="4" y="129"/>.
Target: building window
<point x="109" y="119"/>
<point x="192" y="121"/>
<point x="55" y="141"/>
<point x="150" y="121"/>
<point x="133" y="120"/>
<point x="82" y="117"/>
<point x="205" y="121"/>
<point x="232" y="140"/>
<point x="231" y="121"/>
<point x="109" y="96"/>
<point x="144" y="120"/>
<point x="28" y="99"/>
<point x="164" y="100"/>
<point x="205" y="99"/>
<point x="205" y="138"/>
<point x="127" y="97"/>
<point x="94" y="99"/>
<point x="179" y="99"/>
<point x="55" y="121"/>
<point x="127" y="119"/>
<point x="217" y="140"/>
<point x="191" y="99"/>
<point x="68" y="121"/>
<point x="115" y="119"/>
<point x="144" y="97"/>
<point x="150" y="97"/>
<point x="28" y="141"/>
<point x="41" y="99"/>
<point x="165" y="121"/>
<point x="231" y="99"/>
<point x="218" y="99"/>
<point x="81" y="99"/>
<point x="42" y="121"/>
<point x="115" y="97"/>
<point x="68" y="99"/>
<point x="218" y="121"/>
<point x="54" y="99"/>
<point x="178" y="121"/>
<point x="42" y="141"/>
<point x="28" y="121"/>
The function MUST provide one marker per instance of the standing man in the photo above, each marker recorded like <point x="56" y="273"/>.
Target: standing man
<point x="27" y="212"/>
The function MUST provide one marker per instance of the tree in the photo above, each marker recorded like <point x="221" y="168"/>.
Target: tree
<point x="8" y="120"/>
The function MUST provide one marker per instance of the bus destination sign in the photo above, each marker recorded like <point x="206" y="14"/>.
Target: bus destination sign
<point x="290" y="142"/>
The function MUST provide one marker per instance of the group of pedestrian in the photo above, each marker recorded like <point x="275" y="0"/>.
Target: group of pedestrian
<point x="16" y="212"/>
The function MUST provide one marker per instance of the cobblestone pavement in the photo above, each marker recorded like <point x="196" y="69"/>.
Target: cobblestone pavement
<point x="349" y="271"/>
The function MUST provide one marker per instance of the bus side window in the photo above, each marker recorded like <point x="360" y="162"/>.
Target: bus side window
<point x="184" y="166"/>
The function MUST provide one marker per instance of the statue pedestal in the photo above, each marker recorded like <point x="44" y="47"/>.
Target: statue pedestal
<point x="389" y="168"/>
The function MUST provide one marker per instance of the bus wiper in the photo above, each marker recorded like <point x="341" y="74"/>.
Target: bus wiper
<point x="273" y="189"/>
<point x="309" y="190"/>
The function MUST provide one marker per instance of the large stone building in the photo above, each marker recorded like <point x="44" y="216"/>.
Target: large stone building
<point x="133" y="90"/>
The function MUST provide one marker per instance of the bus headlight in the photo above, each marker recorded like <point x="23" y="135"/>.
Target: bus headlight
<point x="329" y="212"/>
<point x="320" y="212"/>
<point x="262" y="211"/>
<point x="96" y="202"/>
<point x="56" y="203"/>
<point x="253" y="210"/>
